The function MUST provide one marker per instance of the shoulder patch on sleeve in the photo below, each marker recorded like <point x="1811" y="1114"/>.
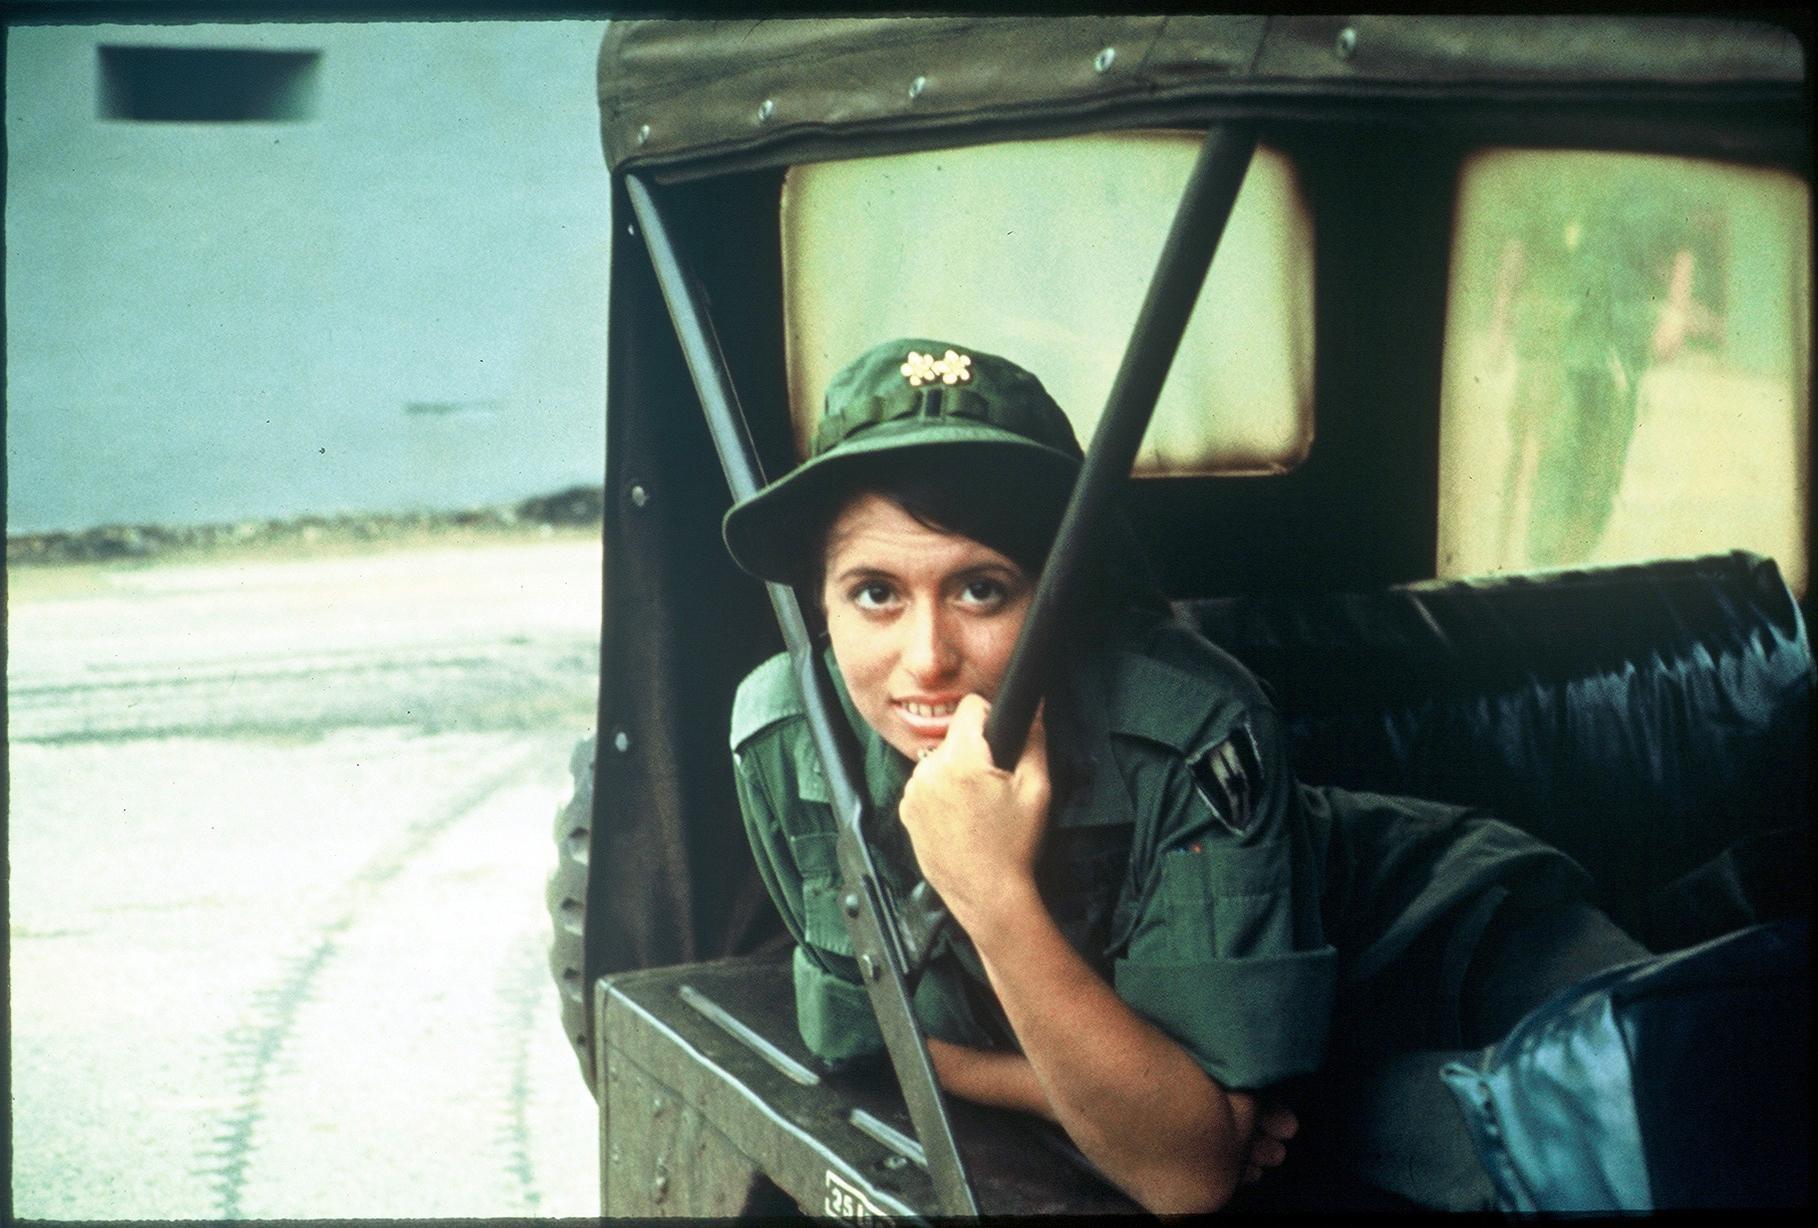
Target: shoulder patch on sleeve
<point x="767" y="695"/>
<point x="1228" y="776"/>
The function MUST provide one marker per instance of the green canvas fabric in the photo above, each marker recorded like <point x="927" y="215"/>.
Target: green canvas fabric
<point x="685" y="98"/>
<point x="1235" y="935"/>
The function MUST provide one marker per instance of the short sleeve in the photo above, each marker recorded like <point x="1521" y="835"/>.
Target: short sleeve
<point x="833" y="1012"/>
<point x="1227" y="952"/>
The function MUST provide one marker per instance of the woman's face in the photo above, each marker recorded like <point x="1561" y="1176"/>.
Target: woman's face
<point x="919" y="619"/>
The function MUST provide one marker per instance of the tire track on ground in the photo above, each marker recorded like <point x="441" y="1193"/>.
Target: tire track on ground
<point x="524" y="998"/>
<point x="254" y="1046"/>
<point x="543" y="683"/>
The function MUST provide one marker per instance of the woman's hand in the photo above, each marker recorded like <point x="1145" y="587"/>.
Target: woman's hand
<point x="976" y="828"/>
<point x="1130" y="1097"/>
<point x="1271" y="1126"/>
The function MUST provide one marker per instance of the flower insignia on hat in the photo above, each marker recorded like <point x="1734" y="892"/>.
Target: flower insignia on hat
<point x="950" y="368"/>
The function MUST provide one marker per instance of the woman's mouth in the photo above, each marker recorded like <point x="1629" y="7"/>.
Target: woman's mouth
<point x="927" y="717"/>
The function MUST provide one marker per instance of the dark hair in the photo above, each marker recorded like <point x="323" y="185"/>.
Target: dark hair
<point x="972" y="496"/>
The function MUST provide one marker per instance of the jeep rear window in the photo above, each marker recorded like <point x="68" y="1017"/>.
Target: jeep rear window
<point x="1041" y="251"/>
<point x="1627" y="363"/>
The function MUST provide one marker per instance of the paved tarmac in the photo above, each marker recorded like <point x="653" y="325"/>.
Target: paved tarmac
<point x="278" y="829"/>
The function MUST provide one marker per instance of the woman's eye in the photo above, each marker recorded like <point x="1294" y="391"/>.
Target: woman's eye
<point x="872" y="595"/>
<point x="984" y="592"/>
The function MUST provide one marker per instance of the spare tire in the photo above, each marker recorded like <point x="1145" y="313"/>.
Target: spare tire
<point x="567" y="898"/>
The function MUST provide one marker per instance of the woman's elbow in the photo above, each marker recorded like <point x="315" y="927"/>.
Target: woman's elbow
<point x="1187" y="1198"/>
<point x="1203" y="1175"/>
<point x="1196" y="1189"/>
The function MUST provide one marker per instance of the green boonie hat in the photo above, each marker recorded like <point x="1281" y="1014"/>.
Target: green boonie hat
<point x="912" y="401"/>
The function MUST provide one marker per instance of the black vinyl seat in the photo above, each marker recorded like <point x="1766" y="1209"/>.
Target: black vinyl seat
<point x="1652" y="720"/>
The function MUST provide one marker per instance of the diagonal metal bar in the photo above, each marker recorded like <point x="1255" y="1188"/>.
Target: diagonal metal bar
<point x="868" y="908"/>
<point x="1199" y="223"/>
<point x="1193" y="237"/>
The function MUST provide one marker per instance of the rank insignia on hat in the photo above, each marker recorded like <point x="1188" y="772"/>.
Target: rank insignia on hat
<point x="949" y="368"/>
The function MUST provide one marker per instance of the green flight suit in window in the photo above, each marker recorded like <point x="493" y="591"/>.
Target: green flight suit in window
<point x="1233" y="908"/>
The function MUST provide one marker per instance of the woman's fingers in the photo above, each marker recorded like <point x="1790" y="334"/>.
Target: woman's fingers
<point x="1032" y="769"/>
<point x="1274" y="1125"/>
<point x="966" y="731"/>
<point x="1267" y="1152"/>
<point x="1035" y="748"/>
<point x="975" y="828"/>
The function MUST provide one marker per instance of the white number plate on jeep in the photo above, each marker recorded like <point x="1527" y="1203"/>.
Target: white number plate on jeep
<point x="845" y="1202"/>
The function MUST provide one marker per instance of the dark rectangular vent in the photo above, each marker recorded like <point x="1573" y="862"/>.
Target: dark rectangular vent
<point x="207" y="84"/>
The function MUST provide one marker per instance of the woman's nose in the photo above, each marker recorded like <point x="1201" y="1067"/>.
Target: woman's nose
<point x="928" y="653"/>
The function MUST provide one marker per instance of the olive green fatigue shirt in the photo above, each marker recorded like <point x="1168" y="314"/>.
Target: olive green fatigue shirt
<point x="1222" y="901"/>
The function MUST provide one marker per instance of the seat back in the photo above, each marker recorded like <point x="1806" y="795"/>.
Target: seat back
<point x="1640" y="717"/>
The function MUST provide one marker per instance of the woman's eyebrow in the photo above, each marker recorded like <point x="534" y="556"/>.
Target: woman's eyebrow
<point x="867" y="571"/>
<point x="992" y="568"/>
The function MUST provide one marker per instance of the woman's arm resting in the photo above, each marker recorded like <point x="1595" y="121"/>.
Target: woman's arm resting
<point x="1130" y="1098"/>
<point x="1007" y="1081"/>
<point x="1002" y="1080"/>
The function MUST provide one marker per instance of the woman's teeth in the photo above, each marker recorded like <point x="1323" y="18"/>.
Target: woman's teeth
<point x="930" y="710"/>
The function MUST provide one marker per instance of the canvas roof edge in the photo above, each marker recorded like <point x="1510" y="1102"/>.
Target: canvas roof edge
<point x="690" y="97"/>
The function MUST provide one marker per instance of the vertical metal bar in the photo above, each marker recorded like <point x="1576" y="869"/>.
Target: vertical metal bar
<point x="870" y="915"/>
<point x="1199" y="222"/>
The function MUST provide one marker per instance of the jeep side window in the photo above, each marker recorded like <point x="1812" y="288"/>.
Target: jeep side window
<point x="1626" y="363"/>
<point x="1044" y="249"/>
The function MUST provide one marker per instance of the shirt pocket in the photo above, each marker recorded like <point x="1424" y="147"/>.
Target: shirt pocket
<point x="1223" y="901"/>
<point x="817" y="860"/>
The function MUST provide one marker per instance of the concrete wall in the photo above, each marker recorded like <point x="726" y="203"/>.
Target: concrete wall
<point x="396" y="303"/>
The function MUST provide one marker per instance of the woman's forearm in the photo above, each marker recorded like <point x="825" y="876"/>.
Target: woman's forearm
<point x="1130" y="1098"/>
<point x="1002" y="1080"/>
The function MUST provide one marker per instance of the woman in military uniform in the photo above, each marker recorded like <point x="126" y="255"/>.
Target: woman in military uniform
<point x="1157" y="926"/>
